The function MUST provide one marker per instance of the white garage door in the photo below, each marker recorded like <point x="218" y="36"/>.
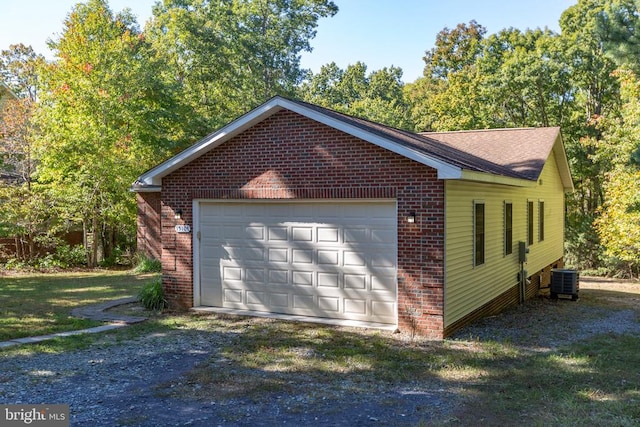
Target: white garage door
<point x="328" y="259"/>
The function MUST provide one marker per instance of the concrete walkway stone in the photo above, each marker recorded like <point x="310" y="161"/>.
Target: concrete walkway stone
<point x="92" y="312"/>
<point x="97" y="312"/>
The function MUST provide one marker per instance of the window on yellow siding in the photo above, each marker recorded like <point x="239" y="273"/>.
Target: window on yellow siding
<point x="478" y="232"/>
<point x="530" y="223"/>
<point x="508" y="228"/>
<point x="540" y="220"/>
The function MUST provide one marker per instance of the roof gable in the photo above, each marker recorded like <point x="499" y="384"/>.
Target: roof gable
<point x="450" y="154"/>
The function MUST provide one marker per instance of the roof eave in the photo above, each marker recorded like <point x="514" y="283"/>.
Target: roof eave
<point x="139" y="187"/>
<point x="489" y="178"/>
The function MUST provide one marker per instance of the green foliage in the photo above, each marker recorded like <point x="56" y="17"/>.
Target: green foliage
<point x="378" y="96"/>
<point x="19" y="70"/>
<point x="71" y="256"/>
<point x="64" y="256"/>
<point x="618" y="26"/>
<point x="104" y="119"/>
<point x="145" y="264"/>
<point x="618" y="225"/>
<point x="152" y="296"/>
<point x="229" y="56"/>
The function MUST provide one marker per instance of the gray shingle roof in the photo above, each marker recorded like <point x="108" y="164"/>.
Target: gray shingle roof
<point x="516" y="153"/>
<point x="519" y="151"/>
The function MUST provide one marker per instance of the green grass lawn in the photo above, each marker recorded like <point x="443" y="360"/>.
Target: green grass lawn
<point x="40" y="304"/>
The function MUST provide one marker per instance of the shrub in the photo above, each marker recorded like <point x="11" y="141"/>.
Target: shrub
<point x="71" y="256"/>
<point x="65" y="256"/>
<point x="147" y="265"/>
<point x="152" y="296"/>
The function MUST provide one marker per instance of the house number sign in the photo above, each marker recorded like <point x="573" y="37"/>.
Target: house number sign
<point x="183" y="228"/>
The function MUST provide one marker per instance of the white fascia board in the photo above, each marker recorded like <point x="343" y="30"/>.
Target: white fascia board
<point x="563" y="164"/>
<point x="445" y="170"/>
<point x="489" y="178"/>
<point x="145" y="189"/>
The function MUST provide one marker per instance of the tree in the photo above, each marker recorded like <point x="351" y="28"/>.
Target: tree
<point x="618" y="27"/>
<point x="231" y="55"/>
<point x="618" y="225"/>
<point x="378" y="96"/>
<point x="454" y="51"/>
<point x="19" y="70"/>
<point x="450" y="96"/>
<point x="597" y="95"/>
<point x="526" y="78"/>
<point x="104" y="118"/>
<point x="25" y="214"/>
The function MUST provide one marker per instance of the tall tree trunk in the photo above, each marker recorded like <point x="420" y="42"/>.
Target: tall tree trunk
<point x="94" y="242"/>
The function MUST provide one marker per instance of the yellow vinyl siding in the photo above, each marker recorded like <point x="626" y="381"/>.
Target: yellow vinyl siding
<point x="468" y="287"/>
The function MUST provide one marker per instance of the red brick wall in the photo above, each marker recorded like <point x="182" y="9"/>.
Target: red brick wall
<point x="290" y="156"/>
<point x="148" y="235"/>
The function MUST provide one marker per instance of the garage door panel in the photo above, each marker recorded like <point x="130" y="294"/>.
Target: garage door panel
<point x="383" y="309"/>
<point x="328" y="257"/>
<point x="383" y="260"/>
<point x="302" y="256"/>
<point x="257" y="298"/>
<point x="280" y="300"/>
<point x="304" y="302"/>
<point x="302" y="234"/>
<point x="279" y="255"/>
<point x="328" y="280"/>
<point x="254" y="232"/>
<point x="354" y="306"/>
<point x="329" y="304"/>
<point x="382" y="282"/>
<point x="355" y="259"/>
<point x="356" y="235"/>
<point x="232" y="295"/>
<point x="231" y="273"/>
<point x="255" y="275"/>
<point x="382" y="235"/>
<point x="318" y="259"/>
<point x="278" y="277"/>
<point x="302" y="278"/>
<point x="355" y="281"/>
<point x="278" y="234"/>
<point x="244" y="253"/>
<point x="328" y="235"/>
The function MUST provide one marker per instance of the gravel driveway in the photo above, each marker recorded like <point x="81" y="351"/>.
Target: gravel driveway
<point x="130" y="383"/>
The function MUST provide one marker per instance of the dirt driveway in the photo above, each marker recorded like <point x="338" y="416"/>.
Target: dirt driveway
<point x="203" y="373"/>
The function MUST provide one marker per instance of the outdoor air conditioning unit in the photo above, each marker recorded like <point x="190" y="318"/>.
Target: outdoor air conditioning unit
<point x="564" y="282"/>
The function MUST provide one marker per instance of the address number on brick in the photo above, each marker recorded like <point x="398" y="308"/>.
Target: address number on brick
<point x="183" y="229"/>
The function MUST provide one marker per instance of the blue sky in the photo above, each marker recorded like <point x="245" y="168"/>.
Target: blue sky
<point x="379" y="33"/>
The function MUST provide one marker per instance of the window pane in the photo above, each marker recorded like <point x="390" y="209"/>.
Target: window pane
<point x="530" y="223"/>
<point x="508" y="228"/>
<point x="541" y="221"/>
<point x="479" y="234"/>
